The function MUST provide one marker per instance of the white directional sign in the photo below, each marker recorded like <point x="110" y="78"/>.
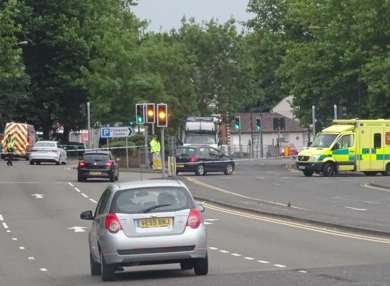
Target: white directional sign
<point x="38" y="196"/>
<point x="77" y="228"/>
<point x="116" y="132"/>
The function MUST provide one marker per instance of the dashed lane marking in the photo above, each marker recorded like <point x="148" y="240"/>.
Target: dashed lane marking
<point x="8" y="231"/>
<point x="249" y="258"/>
<point x="22" y="248"/>
<point x="31" y="258"/>
<point x="70" y="184"/>
<point x="280" y="265"/>
<point x="300" y="226"/>
<point x="77" y="190"/>
<point x="263" y="261"/>
<point x="302" y="271"/>
<point x="84" y="195"/>
<point x="92" y="200"/>
<point x="43" y="269"/>
<point x="14" y="239"/>
<point x="5" y="225"/>
<point x="356" y="209"/>
<point x="213" y="248"/>
<point x="1" y="218"/>
<point x="236" y="254"/>
<point x="224" y="251"/>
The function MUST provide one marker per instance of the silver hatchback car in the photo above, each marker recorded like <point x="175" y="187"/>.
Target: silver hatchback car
<point x="146" y="222"/>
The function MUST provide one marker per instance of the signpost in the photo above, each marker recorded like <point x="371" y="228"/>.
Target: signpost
<point x="118" y="132"/>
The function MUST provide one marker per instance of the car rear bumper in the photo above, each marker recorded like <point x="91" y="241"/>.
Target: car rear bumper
<point x="44" y="157"/>
<point x="122" y="250"/>
<point x="309" y="166"/>
<point x="95" y="173"/>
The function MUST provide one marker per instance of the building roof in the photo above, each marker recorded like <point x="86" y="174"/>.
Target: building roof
<point x="267" y="123"/>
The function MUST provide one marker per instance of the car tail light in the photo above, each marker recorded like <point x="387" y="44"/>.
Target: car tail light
<point x="111" y="223"/>
<point x="109" y="164"/>
<point x="194" y="218"/>
<point x="81" y="164"/>
<point x="194" y="159"/>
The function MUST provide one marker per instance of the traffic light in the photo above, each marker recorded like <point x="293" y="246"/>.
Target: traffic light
<point x="236" y="122"/>
<point x="162" y="115"/>
<point x="150" y="111"/>
<point x="258" y="123"/>
<point x="139" y="114"/>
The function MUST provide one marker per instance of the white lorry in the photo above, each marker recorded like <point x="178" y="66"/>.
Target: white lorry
<point x="201" y="131"/>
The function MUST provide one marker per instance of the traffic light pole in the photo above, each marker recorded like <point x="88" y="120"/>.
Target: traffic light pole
<point x="163" y="152"/>
<point x="147" y="164"/>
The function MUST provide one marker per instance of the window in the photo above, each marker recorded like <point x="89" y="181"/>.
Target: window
<point x="346" y="142"/>
<point x="101" y="206"/>
<point x="377" y="140"/>
<point x="279" y="124"/>
<point x="159" y="199"/>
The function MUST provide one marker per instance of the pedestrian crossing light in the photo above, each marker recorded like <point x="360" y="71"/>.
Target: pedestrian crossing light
<point x="150" y="111"/>
<point x="236" y="122"/>
<point x="139" y="114"/>
<point x="258" y="123"/>
<point x="162" y="115"/>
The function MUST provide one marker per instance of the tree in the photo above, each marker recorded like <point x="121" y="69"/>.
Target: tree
<point x="13" y="79"/>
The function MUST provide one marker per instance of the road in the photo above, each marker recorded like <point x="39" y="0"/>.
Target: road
<point x="43" y="241"/>
<point x="345" y="199"/>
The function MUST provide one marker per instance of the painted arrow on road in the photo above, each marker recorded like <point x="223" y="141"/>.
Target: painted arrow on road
<point x="38" y="196"/>
<point x="77" y="228"/>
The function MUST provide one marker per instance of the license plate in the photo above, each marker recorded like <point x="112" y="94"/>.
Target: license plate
<point x="179" y="165"/>
<point x="301" y="167"/>
<point x="154" y="222"/>
<point x="95" y="173"/>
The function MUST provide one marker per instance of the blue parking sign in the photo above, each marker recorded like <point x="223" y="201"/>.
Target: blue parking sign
<point x="105" y="133"/>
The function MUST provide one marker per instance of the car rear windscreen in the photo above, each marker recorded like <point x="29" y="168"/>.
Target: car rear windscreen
<point x="151" y="200"/>
<point x="96" y="157"/>
<point x="186" y="152"/>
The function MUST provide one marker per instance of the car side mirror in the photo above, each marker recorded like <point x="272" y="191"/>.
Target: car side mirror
<point x="200" y="207"/>
<point x="87" y="215"/>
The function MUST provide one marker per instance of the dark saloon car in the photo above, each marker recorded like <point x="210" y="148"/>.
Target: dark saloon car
<point x="203" y="159"/>
<point x="97" y="164"/>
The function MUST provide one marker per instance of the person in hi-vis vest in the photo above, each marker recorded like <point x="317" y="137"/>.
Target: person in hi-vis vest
<point x="155" y="148"/>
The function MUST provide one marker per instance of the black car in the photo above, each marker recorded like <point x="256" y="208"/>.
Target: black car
<point x="74" y="149"/>
<point x="203" y="159"/>
<point x="97" y="164"/>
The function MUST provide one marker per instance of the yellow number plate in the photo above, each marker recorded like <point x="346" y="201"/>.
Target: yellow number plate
<point x="179" y="165"/>
<point x="155" y="222"/>
<point x="95" y="173"/>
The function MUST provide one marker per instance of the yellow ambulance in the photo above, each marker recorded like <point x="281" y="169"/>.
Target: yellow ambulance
<point x="24" y="137"/>
<point x="348" y="145"/>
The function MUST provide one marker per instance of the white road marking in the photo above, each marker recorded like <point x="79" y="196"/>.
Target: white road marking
<point x="302" y="271"/>
<point x="77" y="189"/>
<point x="1" y="218"/>
<point x="92" y="200"/>
<point x="38" y="196"/>
<point x="21" y="248"/>
<point x="84" y="195"/>
<point x="77" y="228"/>
<point x="213" y="248"/>
<point x="70" y="184"/>
<point x="8" y="231"/>
<point x="14" y="238"/>
<point x="200" y="183"/>
<point x="212" y="219"/>
<point x="43" y="269"/>
<point x="207" y="223"/>
<point x="369" y="186"/>
<point x="236" y="254"/>
<point x="263" y="261"/>
<point x="249" y="258"/>
<point x="356" y="209"/>
<point x="307" y="227"/>
<point x="5" y="225"/>
<point x="31" y="258"/>
<point x="224" y="251"/>
<point x="280" y="265"/>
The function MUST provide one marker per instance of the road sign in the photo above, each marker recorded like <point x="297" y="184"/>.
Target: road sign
<point x="116" y="132"/>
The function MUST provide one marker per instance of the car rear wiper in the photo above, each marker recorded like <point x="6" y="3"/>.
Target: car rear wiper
<point x="155" y="207"/>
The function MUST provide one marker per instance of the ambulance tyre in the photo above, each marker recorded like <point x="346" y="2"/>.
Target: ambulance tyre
<point x="329" y="169"/>
<point x="387" y="170"/>
<point x="308" y="173"/>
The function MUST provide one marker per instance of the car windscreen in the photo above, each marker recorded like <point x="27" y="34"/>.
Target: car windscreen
<point x="151" y="200"/>
<point x="323" y="140"/>
<point x="96" y="157"/>
<point x="45" y="145"/>
<point x="186" y="152"/>
<point x="200" y="139"/>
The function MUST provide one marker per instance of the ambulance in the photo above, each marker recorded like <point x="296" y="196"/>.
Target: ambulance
<point x="24" y="137"/>
<point x="348" y="145"/>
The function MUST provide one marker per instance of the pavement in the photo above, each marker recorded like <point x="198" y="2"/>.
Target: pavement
<point x="43" y="241"/>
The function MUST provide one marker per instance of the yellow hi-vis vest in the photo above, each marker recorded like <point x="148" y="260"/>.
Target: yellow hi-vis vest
<point x="154" y="146"/>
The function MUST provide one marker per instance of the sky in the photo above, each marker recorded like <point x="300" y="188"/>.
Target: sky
<point x="166" y="14"/>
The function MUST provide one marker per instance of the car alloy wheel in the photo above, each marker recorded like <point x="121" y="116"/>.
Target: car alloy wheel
<point x="229" y="169"/>
<point x="200" y="170"/>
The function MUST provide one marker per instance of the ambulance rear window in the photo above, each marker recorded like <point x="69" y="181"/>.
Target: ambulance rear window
<point x="377" y="140"/>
